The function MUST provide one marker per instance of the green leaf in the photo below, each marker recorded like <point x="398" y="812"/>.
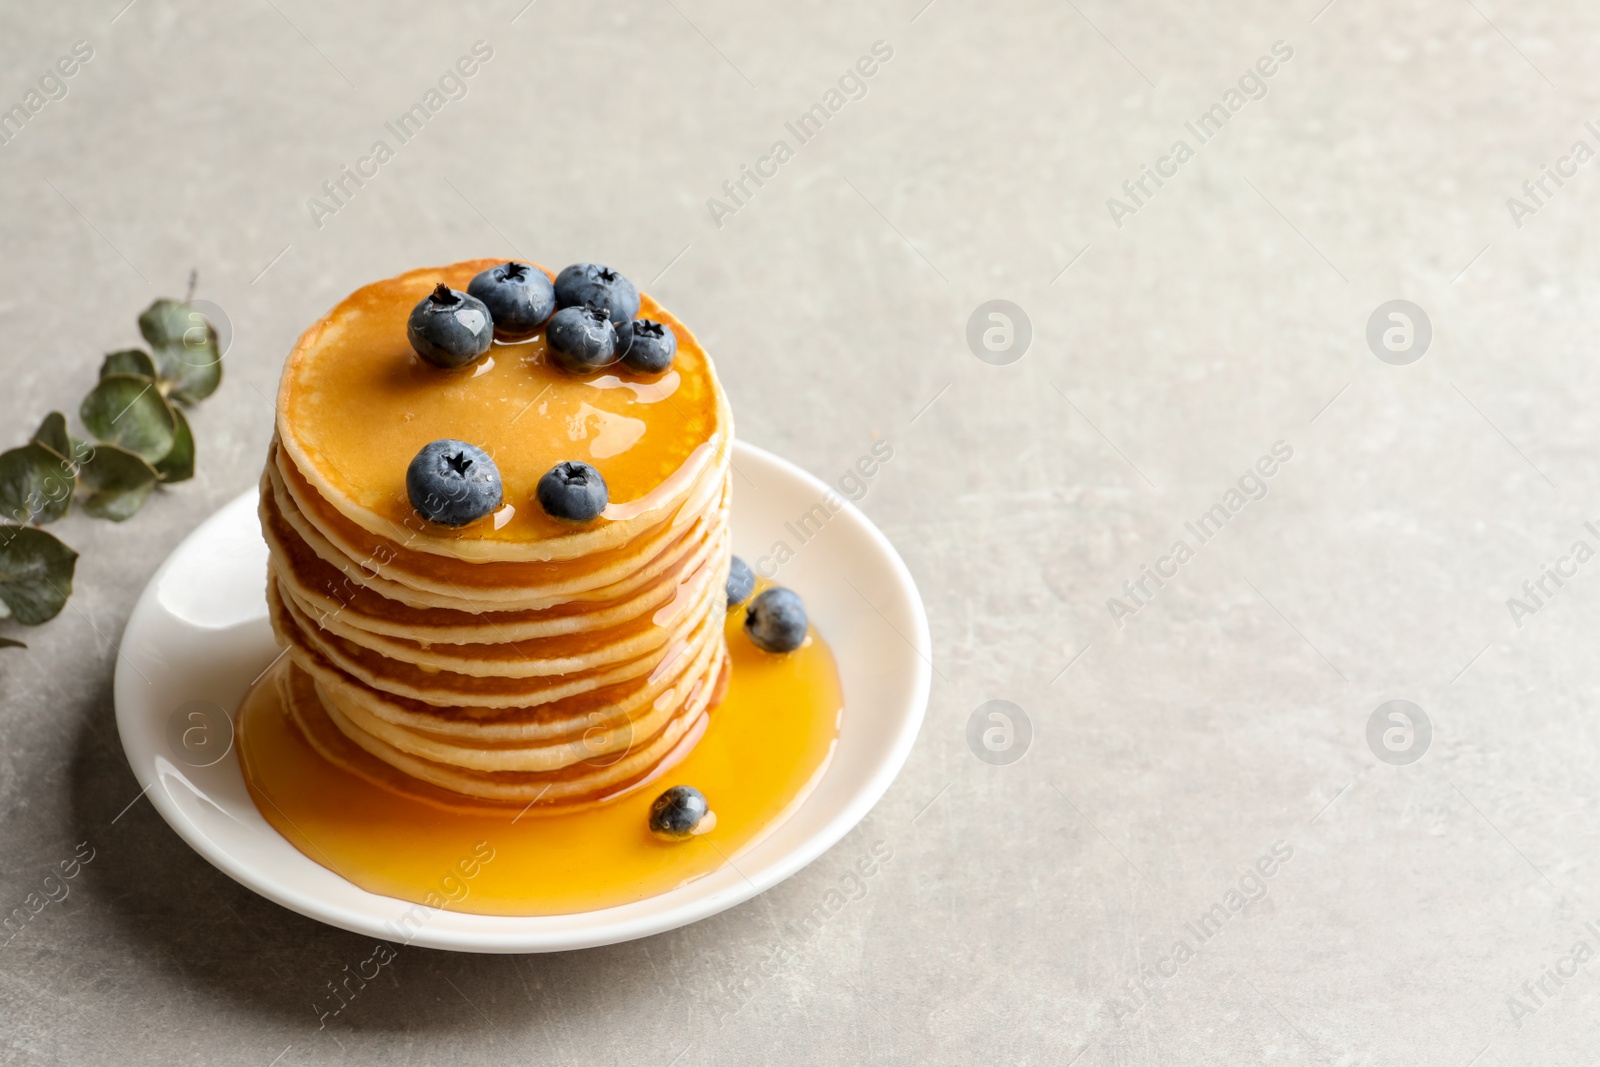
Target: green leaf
<point x="128" y="411"/>
<point x="52" y="434"/>
<point x="35" y="574"/>
<point x="129" y="361"/>
<point x="35" y="485"/>
<point x="178" y="464"/>
<point x="117" y="482"/>
<point x="185" y="346"/>
<point x="6" y="642"/>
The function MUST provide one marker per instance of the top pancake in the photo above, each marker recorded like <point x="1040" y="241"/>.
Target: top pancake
<point x="356" y="405"/>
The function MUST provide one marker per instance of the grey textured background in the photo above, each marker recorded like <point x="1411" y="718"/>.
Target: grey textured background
<point x="1228" y="314"/>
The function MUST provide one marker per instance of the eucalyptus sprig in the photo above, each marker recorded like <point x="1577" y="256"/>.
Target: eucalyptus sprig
<point x="141" y="440"/>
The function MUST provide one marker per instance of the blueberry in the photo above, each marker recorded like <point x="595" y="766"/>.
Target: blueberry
<point x="581" y="339"/>
<point x="681" y="812"/>
<point x="519" y="299"/>
<point x="453" y="483"/>
<point x="776" y="621"/>
<point x="598" y="287"/>
<point x="450" y="328"/>
<point x="741" y="582"/>
<point x="652" y="347"/>
<point x="572" y="491"/>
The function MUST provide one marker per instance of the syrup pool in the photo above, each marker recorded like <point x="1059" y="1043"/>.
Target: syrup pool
<point x="765" y="747"/>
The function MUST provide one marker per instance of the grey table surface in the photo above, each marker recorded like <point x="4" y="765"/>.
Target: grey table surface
<point x="1093" y="901"/>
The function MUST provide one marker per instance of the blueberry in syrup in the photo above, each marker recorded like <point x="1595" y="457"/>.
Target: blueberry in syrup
<point x="519" y="298"/>
<point x="741" y="582"/>
<point x="450" y="329"/>
<point x="598" y="287"/>
<point x="581" y="339"/>
<point x="776" y="621"/>
<point x="651" y="348"/>
<point x="681" y="812"/>
<point x="572" y="492"/>
<point x="453" y="483"/>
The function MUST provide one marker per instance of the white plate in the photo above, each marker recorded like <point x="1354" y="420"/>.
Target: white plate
<point x="200" y="634"/>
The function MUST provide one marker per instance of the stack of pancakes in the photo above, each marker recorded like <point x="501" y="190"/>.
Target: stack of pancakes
<point x="519" y="660"/>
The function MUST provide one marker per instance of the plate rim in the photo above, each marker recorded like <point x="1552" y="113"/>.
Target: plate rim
<point x="482" y="933"/>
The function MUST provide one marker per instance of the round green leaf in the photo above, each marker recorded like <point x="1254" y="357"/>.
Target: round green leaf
<point x="178" y="464"/>
<point x="129" y="361"/>
<point x="35" y="574"/>
<point x="163" y="323"/>
<point x="35" y="485"/>
<point x="117" y="483"/>
<point x="128" y="411"/>
<point x="52" y="434"/>
<point x="185" y="346"/>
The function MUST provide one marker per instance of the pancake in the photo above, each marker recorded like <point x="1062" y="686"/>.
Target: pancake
<point x="390" y="569"/>
<point x="518" y="659"/>
<point x="551" y="722"/>
<point x="448" y="688"/>
<point x="473" y="791"/>
<point x="357" y="361"/>
<point x="590" y="738"/>
<point x="556" y="655"/>
<point x="322" y="589"/>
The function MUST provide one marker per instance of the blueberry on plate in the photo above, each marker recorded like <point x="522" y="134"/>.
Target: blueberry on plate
<point x="681" y="812"/>
<point x="519" y="298"/>
<point x="776" y="621"/>
<point x="581" y="339"/>
<point x="449" y="328"/>
<point x="453" y="483"/>
<point x="572" y="492"/>
<point x="652" y="347"/>
<point x="598" y="287"/>
<point x="741" y="582"/>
